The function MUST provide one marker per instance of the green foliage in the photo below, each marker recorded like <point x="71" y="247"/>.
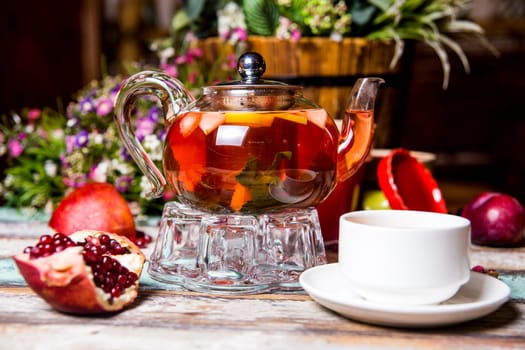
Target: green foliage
<point x="48" y="153"/>
<point x="262" y="16"/>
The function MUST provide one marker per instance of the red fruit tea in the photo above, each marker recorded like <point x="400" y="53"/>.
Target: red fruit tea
<point x="252" y="161"/>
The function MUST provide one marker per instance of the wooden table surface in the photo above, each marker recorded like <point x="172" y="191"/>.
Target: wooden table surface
<point x="166" y="316"/>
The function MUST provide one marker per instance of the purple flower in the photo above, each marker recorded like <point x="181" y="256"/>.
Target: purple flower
<point x="161" y="134"/>
<point x="64" y="162"/>
<point x="75" y="181"/>
<point x="15" y="148"/>
<point x="115" y="89"/>
<point x="154" y="113"/>
<point x="104" y="106"/>
<point x="70" y="143"/>
<point x="145" y="126"/>
<point x="82" y="138"/>
<point x="124" y="154"/>
<point x="87" y="104"/>
<point x="123" y="183"/>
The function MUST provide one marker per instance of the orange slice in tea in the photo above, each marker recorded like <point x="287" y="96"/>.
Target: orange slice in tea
<point x="296" y="118"/>
<point x="249" y="118"/>
<point x="317" y="117"/>
<point x="241" y="195"/>
<point x="262" y="118"/>
<point x="211" y="121"/>
<point x="189" y="123"/>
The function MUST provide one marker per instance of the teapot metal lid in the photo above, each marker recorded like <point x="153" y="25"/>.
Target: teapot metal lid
<point x="252" y="92"/>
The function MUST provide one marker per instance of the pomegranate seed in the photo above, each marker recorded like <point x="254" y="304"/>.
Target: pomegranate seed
<point x="104" y="239"/>
<point x="106" y="263"/>
<point x="121" y="280"/>
<point x="109" y="282"/>
<point x="89" y="257"/>
<point x="141" y="242"/>
<point x="478" y="268"/>
<point x="132" y="278"/>
<point x="46" y="239"/>
<point x="34" y="253"/>
<point x="115" y="292"/>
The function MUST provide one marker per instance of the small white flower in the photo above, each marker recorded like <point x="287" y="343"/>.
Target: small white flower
<point x="335" y="36"/>
<point x="167" y="53"/>
<point x="9" y="180"/>
<point x="57" y="134"/>
<point x="121" y="167"/>
<point x="229" y="18"/>
<point x="100" y="172"/>
<point x="50" y="168"/>
<point x="154" y="146"/>
<point x="71" y="123"/>
<point x="96" y="138"/>
<point x="135" y="208"/>
<point x="3" y="149"/>
<point x="145" y="186"/>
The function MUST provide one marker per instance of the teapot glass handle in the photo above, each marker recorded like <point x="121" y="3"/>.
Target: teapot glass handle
<point x="174" y="97"/>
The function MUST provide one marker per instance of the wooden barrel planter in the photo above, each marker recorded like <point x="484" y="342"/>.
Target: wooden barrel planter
<point x="328" y="69"/>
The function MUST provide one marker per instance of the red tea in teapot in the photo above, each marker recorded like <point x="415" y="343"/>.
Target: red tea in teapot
<point x="252" y="160"/>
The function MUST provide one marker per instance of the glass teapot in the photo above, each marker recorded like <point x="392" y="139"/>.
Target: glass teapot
<point x="249" y="146"/>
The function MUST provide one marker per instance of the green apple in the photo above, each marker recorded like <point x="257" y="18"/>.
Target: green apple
<point x="375" y="199"/>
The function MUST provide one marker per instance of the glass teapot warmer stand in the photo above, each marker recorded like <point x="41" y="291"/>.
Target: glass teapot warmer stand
<point x="236" y="254"/>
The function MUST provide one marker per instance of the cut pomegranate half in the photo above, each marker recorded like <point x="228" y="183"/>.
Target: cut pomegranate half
<point x="88" y="272"/>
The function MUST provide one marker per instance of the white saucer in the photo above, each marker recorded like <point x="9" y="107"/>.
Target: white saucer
<point x="480" y="296"/>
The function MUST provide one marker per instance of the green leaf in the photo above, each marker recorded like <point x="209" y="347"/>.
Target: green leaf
<point x="180" y="20"/>
<point x="362" y="14"/>
<point x="382" y="4"/>
<point x="262" y="16"/>
<point x="194" y="8"/>
<point x="258" y="181"/>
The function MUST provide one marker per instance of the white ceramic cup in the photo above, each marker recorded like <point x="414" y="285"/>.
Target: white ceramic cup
<point x="404" y="257"/>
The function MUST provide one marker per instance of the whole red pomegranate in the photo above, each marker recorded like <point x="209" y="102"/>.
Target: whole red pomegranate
<point x="87" y="272"/>
<point x="94" y="206"/>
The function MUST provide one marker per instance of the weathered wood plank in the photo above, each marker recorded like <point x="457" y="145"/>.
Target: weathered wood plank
<point x="253" y="322"/>
<point x="166" y="316"/>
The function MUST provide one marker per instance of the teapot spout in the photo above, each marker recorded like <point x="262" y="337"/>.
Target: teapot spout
<point x="357" y="131"/>
<point x="363" y="95"/>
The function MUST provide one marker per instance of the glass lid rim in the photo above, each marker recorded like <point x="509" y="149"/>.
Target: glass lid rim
<point x="251" y="87"/>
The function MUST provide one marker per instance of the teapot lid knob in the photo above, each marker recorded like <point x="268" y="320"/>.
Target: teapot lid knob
<point x="251" y="67"/>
